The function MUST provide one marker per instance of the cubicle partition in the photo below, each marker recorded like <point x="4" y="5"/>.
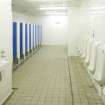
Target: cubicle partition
<point x="30" y="37"/>
<point x="26" y="40"/>
<point x="40" y="34"/>
<point x="21" y="40"/>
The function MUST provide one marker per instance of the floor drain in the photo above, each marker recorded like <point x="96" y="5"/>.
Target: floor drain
<point x="15" y="89"/>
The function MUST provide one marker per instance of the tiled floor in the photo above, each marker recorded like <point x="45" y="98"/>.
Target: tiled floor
<point x="45" y="80"/>
<point x="83" y="89"/>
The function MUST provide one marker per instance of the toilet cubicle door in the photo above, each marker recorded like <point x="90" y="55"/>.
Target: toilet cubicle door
<point x="14" y="40"/>
<point x="21" y="40"/>
<point x="26" y="38"/>
<point x="30" y="37"/>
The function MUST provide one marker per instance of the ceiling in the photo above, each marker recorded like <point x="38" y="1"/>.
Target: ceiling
<point x="32" y="7"/>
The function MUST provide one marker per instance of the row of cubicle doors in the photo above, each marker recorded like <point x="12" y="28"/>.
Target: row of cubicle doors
<point x="26" y="38"/>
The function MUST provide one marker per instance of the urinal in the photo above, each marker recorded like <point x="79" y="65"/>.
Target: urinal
<point x="80" y="47"/>
<point x="93" y="53"/>
<point x="84" y="49"/>
<point x="103" y="94"/>
<point x="82" y="44"/>
<point x="89" y="45"/>
<point x="99" y="75"/>
<point x="104" y="91"/>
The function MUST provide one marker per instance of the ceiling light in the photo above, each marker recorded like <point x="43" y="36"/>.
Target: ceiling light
<point x="55" y="13"/>
<point x="53" y="8"/>
<point x="97" y="8"/>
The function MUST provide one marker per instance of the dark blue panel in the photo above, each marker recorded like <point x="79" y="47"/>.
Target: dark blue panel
<point x="30" y="37"/>
<point x="14" y="40"/>
<point x="21" y="39"/>
<point x="26" y="38"/>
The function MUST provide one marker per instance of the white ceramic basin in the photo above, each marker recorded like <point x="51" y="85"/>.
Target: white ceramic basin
<point x="3" y="62"/>
<point x="89" y="45"/>
<point x="92" y="63"/>
<point x="104" y="91"/>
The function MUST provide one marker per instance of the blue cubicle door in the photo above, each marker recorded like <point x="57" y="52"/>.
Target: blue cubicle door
<point x="14" y="40"/>
<point x="21" y="40"/>
<point x="30" y="37"/>
<point x="26" y="38"/>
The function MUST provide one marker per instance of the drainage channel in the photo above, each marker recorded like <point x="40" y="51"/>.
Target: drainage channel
<point x="70" y="79"/>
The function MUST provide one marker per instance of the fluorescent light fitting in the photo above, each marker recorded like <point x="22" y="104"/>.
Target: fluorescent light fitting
<point x="55" y="13"/>
<point x="53" y="8"/>
<point x="97" y="8"/>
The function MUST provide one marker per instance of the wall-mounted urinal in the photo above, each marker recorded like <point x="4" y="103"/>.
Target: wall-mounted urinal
<point x="103" y="94"/>
<point x="99" y="75"/>
<point x="93" y="54"/>
<point x="80" y="47"/>
<point x="84" y="49"/>
<point x="89" y="45"/>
